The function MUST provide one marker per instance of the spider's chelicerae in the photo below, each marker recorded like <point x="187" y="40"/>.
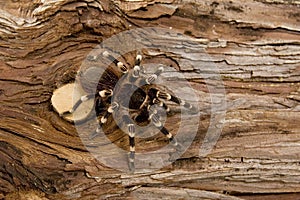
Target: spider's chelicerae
<point x="133" y="98"/>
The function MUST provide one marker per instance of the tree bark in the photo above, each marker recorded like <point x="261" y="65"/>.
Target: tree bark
<point x="256" y="48"/>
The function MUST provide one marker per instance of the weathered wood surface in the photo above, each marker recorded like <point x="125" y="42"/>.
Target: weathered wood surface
<point x="255" y="44"/>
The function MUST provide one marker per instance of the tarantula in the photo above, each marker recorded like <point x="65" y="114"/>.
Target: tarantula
<point x="134" y="97"/>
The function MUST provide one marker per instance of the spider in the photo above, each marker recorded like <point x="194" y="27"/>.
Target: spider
<point x="141" y="107"/>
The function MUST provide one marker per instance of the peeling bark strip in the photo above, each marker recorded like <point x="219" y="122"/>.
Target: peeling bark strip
<point x="256" y="46"/>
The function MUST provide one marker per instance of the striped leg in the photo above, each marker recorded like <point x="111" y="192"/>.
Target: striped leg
<point x="166" y="96"/>
<point x="77" y="104"/>
<point x="138" y="60"/>
<point x="156" y="121"/>
<point x="154" y="76"/>
<point x="135" y="74"/>
<point x="103" y="93"/>
<point x="136" y="69"/>
<point x="118" y="63"/>
<point x="106" y="93"/>
<point x="103" y="119"/>
<point x="169" y="135"/>
<point x="131" y="134"/>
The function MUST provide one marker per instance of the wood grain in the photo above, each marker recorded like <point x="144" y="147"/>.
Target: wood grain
<point x="256" y="48"/>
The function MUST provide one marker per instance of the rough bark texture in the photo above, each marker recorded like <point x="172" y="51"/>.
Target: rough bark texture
<point x="256" y="46"/>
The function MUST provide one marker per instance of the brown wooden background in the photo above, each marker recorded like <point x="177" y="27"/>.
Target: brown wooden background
<point x="256" y="44"/>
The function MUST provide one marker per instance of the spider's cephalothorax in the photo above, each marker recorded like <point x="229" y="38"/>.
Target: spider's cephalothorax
<point x="133" y="99"/>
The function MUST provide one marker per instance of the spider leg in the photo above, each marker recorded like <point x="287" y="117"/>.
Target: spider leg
<point x="106" y="93"/>
<point x="150" y="79"/>
<point x="154" y="117"/>
<point x="77" y="104"/>
<point x="169" y="97"/>
<point x="135" y="74"/>
<point x="102" y="93"/>
<point x="131" y="135"/>
<point x="118" y="63"/>
<point x="103" y="119"/>
<point x="136" y="69"/>
<point x="138" y="60"/>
